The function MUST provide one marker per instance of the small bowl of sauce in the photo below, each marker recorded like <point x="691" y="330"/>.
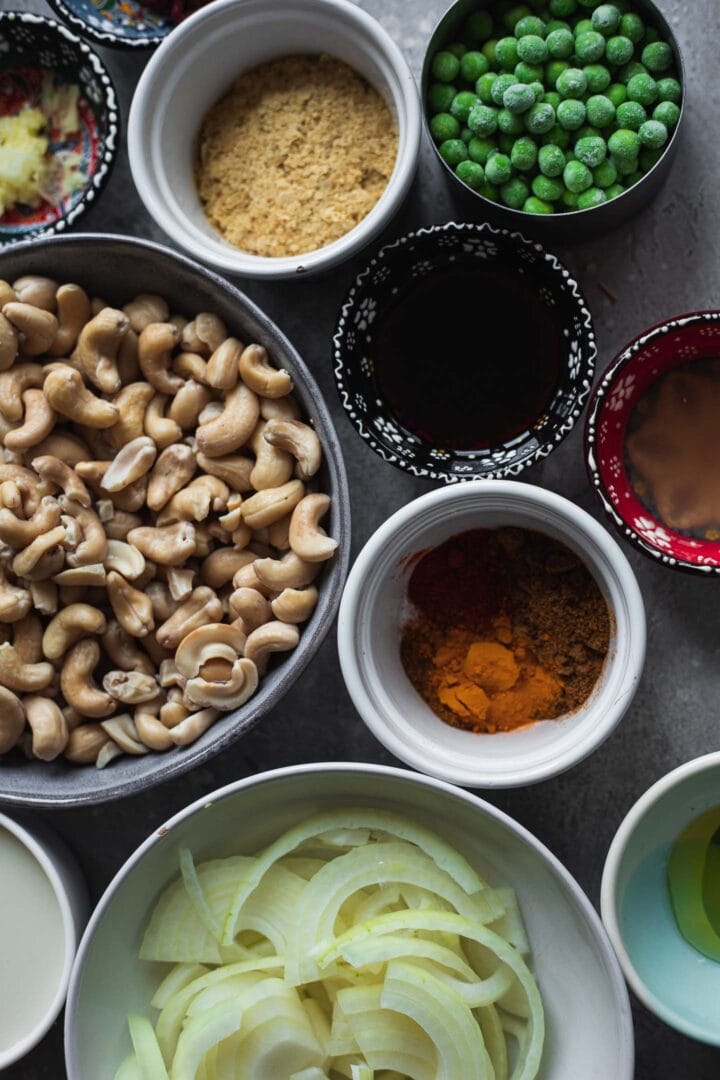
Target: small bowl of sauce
<point x="464" y="351"/>
<point x="651" y="430"/>
<point x="43" y="909"/>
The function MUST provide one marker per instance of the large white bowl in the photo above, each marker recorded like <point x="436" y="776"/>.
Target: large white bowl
<point x="372" y="611"/>
<point x="194" y="67"/>
<point x="589" y="1033"/>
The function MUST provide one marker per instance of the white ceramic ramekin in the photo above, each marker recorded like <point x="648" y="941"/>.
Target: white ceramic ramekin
<point x="69" y="888"/>
<point x="372" y="611"/>
<point x="197" y="63"/>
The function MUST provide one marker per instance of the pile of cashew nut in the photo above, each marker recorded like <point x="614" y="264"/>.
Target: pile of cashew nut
<point x="159" y="528"/>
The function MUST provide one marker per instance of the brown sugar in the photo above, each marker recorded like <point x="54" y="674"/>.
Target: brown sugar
<point x="294" y="155"/>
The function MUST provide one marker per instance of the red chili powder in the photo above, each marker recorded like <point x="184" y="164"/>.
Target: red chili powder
<point x="462" y="582"/>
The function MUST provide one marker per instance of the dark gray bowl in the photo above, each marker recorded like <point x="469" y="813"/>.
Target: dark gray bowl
<point x="117" y="267"/>
<point x="577" y="225"/>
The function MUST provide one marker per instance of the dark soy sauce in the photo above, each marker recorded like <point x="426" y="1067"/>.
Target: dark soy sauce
<point x="468" y="358"/>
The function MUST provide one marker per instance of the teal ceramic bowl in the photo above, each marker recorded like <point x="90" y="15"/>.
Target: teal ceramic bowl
<point x="667" y="974"/>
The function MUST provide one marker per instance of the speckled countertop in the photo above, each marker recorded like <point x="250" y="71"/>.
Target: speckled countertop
<point x="664" y="262"/>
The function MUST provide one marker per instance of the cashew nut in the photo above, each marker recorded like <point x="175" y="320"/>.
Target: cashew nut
<point x="146" y="308"/>
<point x="246" y="578"/>
<point x="125" y="559"/>
<point x="35" y="328"/>
<point x="77" y="684"/>
<point x="299" y="440"/>
<point x="162" y="600"/>
<point x="150" y="730"/>
<point x="201" y="607"/>
<point x="173" y="469"/>
<point x="68" y="626"/>
<point x="279" y="533"/>
<point x="295" y="605"/>
<point x="307" y="538"/>
<point x="12" y="719"/>
<point x="130" y="687"/>
<point x="39" y="291"/>
<point x="289" y="572"/>
<point x="44" y="596"/>
<point x="169" y="545"/>
<point x="65" y="390"/>
<point x="195" y="501"/>
<point x="16" y="675"/>
<point x="123" y="651"/>
<point x="260" y="376"/>
<point x="97" y="348"/>
<point x="120" y="523"/>
<point x="91" y="575"/>
<point x="131" y="402"/>
<point x="234" y="469"/>
<point x="180" y="582"/>
<point x="93" y="548"/>
<point x="222" y="367"/>
<point x="48" y="725"/>
<point x="233" y="427"/>
<point x="188" y="403"/>
<point x="8" y="344"/>
<point x="190" y="365"/>
<point x="85" y="744"/>
<point x="14" y="383"/>
<point x="252" y="607"/>
<point x="132" y="462"/>
<point x="67" y="447"/>
<point x="204" y="334"/>
<point x="221" y="565"/>
<point x="194" y="725"/>
<point x="272" y="637"/>
<point x="26" y="562"/>
<point x="73" y="312"/>
<point x="37" y="425"/>
<point x="155" y="345"/>
<point x="284" y="408"/>
<point x="107" y="753"/>
<point x="18" y="533"/>
<point x="271" y="504"/>
<point x="56" y="472"/>
<point x="15" y="602"/>
<point x="162" y="430"/>
<point x="273" y="467"/>
<point x="133" y="609"/>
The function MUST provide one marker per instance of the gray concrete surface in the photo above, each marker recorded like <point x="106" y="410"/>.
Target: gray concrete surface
<point x="663" y="263"/>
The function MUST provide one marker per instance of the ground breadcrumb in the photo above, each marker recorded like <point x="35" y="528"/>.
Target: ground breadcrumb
<point x="294" y="155"/>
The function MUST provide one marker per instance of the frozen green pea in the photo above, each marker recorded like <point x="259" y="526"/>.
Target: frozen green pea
<point x="453" y="151"/>
<point x="473" y="65"/>
<point x="532" y="49"/>
<point x="619" y="50"/>
<point x="500" y="86"/>
<point x="533" y="205"/>
<point x="552" y="98"/>
<point x="440" y="97"/>
<point x="528" y="73"/>
<point x="553" y="71"/>
<point x="444" y="126"/>
<point x="513" y="15"/>
<point x="598" y="78"/>
<point x="471" y="174"/>
<point x="551" y="160"/>
<point x="539" y="90"/>
<point x="634" y="177"/>
<point x="484" y="86"/>
<point x="617" y="93"/>
<point x="457" y="49"/>
<point x="479" y="149"/>
<point x="466" y="135"/>
<point x="624" y="168"/>
<point x="669" y="90"/>
<point x="562" y="8"/>
<point x="514" y="193"/>
<point x="657" y="56"/>
<point x="445" y="66"/>
<point x="556" y="24"/>
<point x="649" y="157"/>
<point x="506" y="142"/>
<point x="587" y="131"/>
<point x="489" y="191"/>
<point x="462" y="104"/>
<point x="478" y="27"/>
<point x="604" y="174"/>
<point x="577" y="176"/>
<point x="545" y="187"/>
<point x="560" y="44"/>
<point x="518" y="98"/>
<point x="540" y="118"/>
<point x="614" y="190"/>
<point x="630" y="115"/>
<point x="667" y="113"/>
<point x="594" y="196"/>
<point x="498" y="169"/>
<point x="624" y="145"/>
<point x="632" y="26"/>
<point x="529" y="26"/>
<point x="629" y="71"/>
<point x="524" y="154"/>
<point x="584" y="26"/>
<point x="588" y="3"/>
<point x="606" y="19"/>
<point x="488" y="51"/>
<point x="571" y="114"/>
<point x="600" y="110"/>
<point x="506" y="53"/>
<point x="557" y="136"/>
<point x="642" y="88"/>
<point x="482" y="120"/>
<point x="509" y="123"/>
<point x="589" y="47"/>
<point x="591" y="150"/>
<point x="569" y="200"/>
<point x="653" y="133"/>
<point x="572" y="83"/>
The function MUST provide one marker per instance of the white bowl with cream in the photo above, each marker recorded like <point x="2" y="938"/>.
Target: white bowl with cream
<point x="196" y="65"/>
<point x="373" y="609"/>
<point x="43" y="909"/>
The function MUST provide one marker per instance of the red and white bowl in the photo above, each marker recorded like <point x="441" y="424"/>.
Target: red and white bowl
<point x="667" y="345"/>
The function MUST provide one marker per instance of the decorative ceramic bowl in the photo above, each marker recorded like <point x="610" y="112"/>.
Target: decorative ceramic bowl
<point x="29" y="46"/>
<point x="370" y="626"/>
<point x="589" y="1028"/>
<point x="119" y="23"/>
<point x="116" y="268"/>
<point x="669" y="976"/>
<point x="665" y="346"/>
<point x="419" y="255"/>
<point x="578" y="225"/>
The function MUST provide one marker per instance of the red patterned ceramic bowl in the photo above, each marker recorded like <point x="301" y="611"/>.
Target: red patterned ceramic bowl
<point x="668" y="345"/>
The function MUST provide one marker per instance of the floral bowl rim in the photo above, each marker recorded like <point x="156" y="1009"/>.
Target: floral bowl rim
<point x="110" y="143"/>
<point x="116" y="38"/>
<point x="622" y="360"/>
<point x="581" y="381"/>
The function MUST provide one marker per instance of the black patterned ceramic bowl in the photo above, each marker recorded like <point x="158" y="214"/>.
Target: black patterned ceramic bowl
<point x="125" y="24"/>
<point x="416" y="256"/>
<point x="30" y="46"/>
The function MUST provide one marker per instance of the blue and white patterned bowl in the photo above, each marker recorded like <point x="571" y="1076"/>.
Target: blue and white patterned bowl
<point x="418" y="255"/>
<point x="126" y="24"/>
<point x="29" y="46"/>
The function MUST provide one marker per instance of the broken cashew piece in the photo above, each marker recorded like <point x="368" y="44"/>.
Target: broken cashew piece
<point x="68" y="626"/>
<point x="174" y="468"/>
<point x="133" y="609"/>
<point x="125" y="559"/>
<point x="169" y="545"/>
<point x="86" y="743"/>
<point x="48" y="725"/>
<point x="121" y="730"/>
<point x="132" y="462"/>
<point x="65" y="390"/>
<point x="130" y="687"/>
